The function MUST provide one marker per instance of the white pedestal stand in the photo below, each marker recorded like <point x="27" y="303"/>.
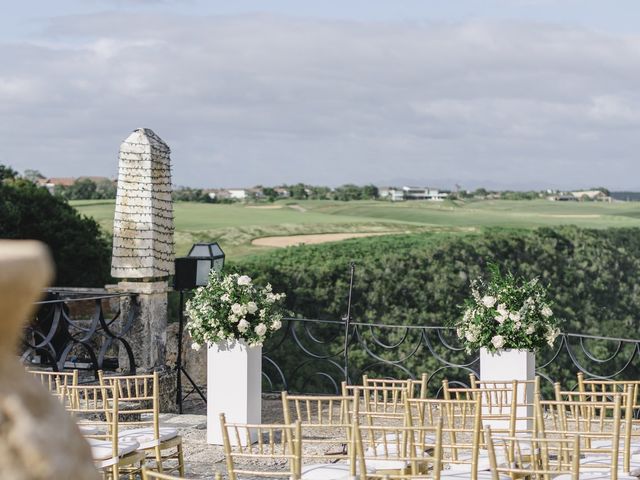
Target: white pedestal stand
<point x="234" y="386"/>
<point x="508" y="365"/>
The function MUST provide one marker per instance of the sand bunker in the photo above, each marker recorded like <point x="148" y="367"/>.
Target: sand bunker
<point x="265" y="207"/>
<point x="291" y="240"/>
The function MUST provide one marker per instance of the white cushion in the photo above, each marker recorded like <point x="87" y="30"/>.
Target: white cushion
<point x="328" y="471"/>
<point x="634" y="448"/>
<point x="593" y="462"/>
<point x="146" y="436"/>
<point x="594" y="476"/>
<point x="483" y="462"/>
<point x="88" y="429"/>
<point x="103" y="449"/>
<point x="450" y="475"/>
<point x="380" y="464"/>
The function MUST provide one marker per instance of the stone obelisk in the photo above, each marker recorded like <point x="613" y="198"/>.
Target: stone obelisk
<point x="143" y="250"/>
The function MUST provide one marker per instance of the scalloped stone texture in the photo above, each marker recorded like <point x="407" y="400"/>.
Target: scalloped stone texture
<point x="143" y="222"/>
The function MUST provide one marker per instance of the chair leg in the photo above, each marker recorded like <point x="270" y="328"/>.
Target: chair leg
<point x="159" y="465"/>
<point x="180" y="460"/>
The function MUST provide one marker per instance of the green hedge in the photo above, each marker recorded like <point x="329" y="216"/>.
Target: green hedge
<point x="422" y="279"/>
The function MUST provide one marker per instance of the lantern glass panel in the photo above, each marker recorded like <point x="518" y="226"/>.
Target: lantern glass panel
<point x="202" y="272"/>
<point x="200" y="251"/>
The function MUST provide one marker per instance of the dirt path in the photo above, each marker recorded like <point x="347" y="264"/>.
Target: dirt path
<point x="291" y="240"/>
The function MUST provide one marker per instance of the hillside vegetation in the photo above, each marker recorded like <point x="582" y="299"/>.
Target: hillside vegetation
<point x="234" y="226"/>
<point x="422" y="279"/>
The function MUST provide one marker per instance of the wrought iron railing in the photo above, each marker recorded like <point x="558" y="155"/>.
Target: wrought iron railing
<point x="317" y="355"/>
<point x="80" y="329"/>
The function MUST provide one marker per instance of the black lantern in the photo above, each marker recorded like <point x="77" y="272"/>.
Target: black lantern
<point x="193" y="270"/>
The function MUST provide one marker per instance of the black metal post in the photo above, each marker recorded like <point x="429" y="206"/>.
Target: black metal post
<point x="347" y="324"/>
<point x="179" y="359"/>
<point x="179" y="368"/>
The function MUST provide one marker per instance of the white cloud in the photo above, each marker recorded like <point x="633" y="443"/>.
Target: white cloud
<point x="264" y="99"/>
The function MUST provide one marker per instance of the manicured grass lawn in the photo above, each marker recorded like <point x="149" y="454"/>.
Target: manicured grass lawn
<point x="235" y="225"/>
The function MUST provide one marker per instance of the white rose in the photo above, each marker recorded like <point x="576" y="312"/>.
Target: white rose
<point x="252" y="307"/>
<point x="260" y="329"/>
<point x="243" y="326"/>
<point x="195" y="346"/>
<point x="276" y="325"/>
<point x="470" y="336"/>
<point x="270" y="298"/>
<point x="225" y="298"/>
<point x="546" y="311"/>
<point x="459" y="332"/>
<point x="488" y="301"/>
<point x="233" y="318"/>
<point x="552" y="334"/>
<point x="244" y="280"/>
<point x="500" y="319"/>
<point x="530" y="329"/>
<point x="498" y="341"/>
<point x="502" y="310"/>
<point x="514" y="316"/>
<point x="236" y="308"/>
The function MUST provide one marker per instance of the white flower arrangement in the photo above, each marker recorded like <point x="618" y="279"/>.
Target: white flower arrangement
<point x="232" y="308"/>
<point x="507" y="314"/>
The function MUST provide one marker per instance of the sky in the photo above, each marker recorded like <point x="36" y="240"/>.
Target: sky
<point x="509" y="94"/>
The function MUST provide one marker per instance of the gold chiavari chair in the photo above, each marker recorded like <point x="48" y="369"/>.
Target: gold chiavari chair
<point x="398" y="450"/>
<point x="53" y="380"/>
<point x="95" y="407"/>
<point x="461" y="429"/>
<point x="596" y="414"/>
<point x="416" y="388"/>
<point x="265" y="450"/>
<point x="545" y="458"/>
<point x="562" y="419"/>
<point x="618" y="386"/>
<point x="326" y="423"/>
<point x="139" y="408"/>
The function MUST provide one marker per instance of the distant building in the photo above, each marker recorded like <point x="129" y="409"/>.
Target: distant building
<point x="53" y="182"/>
<point x="411" y="193"/>
<point x="593" y="195"/>
<point x="282" y="192"/>
<point x="238" y="193"/>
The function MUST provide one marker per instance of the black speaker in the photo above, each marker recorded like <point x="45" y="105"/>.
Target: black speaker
<point x="186" y="273"/>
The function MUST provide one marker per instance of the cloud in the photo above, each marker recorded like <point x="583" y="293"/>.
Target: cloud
<point x="268" y="99"/>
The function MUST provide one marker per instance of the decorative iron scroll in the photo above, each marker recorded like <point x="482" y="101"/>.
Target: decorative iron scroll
<point x="76" y="330"/>
<point x="309" y="356"/>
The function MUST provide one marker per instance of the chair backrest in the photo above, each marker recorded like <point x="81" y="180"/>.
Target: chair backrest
<point x="326" y="423"/>
<point x="54" y="380"/>
<point x="461" y="428"/>
<point x="602" y="385"/>
<point x="535" y="457"/>
<point x="95" y="409"/>
<point x="599" y="437"/>
<point x="138" y="397"/>
<point x="403" y="449"/>
<point x="416" y="388"/>
<point x="378" y="403"/>
<point x="260" y="450"/>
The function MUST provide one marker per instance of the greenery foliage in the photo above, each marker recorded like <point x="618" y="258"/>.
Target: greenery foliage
<point x="81" y="251"/>
<point x="422" y="279"/>
<point x="507" y="313"/>
<point x="232" y="308"/>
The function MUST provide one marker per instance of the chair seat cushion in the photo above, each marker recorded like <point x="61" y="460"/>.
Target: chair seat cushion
<point x="328" y="471"/>
<point x="594" y="476"/>
<point x="88" y="429"/>
<point x="102" y="449"/>
<point x="146" y="437"/>
<point x="593" y="461"/>
<point x="635" y="446"/>
<point x="450" y="475"/>
<point x="483" y="462"/>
